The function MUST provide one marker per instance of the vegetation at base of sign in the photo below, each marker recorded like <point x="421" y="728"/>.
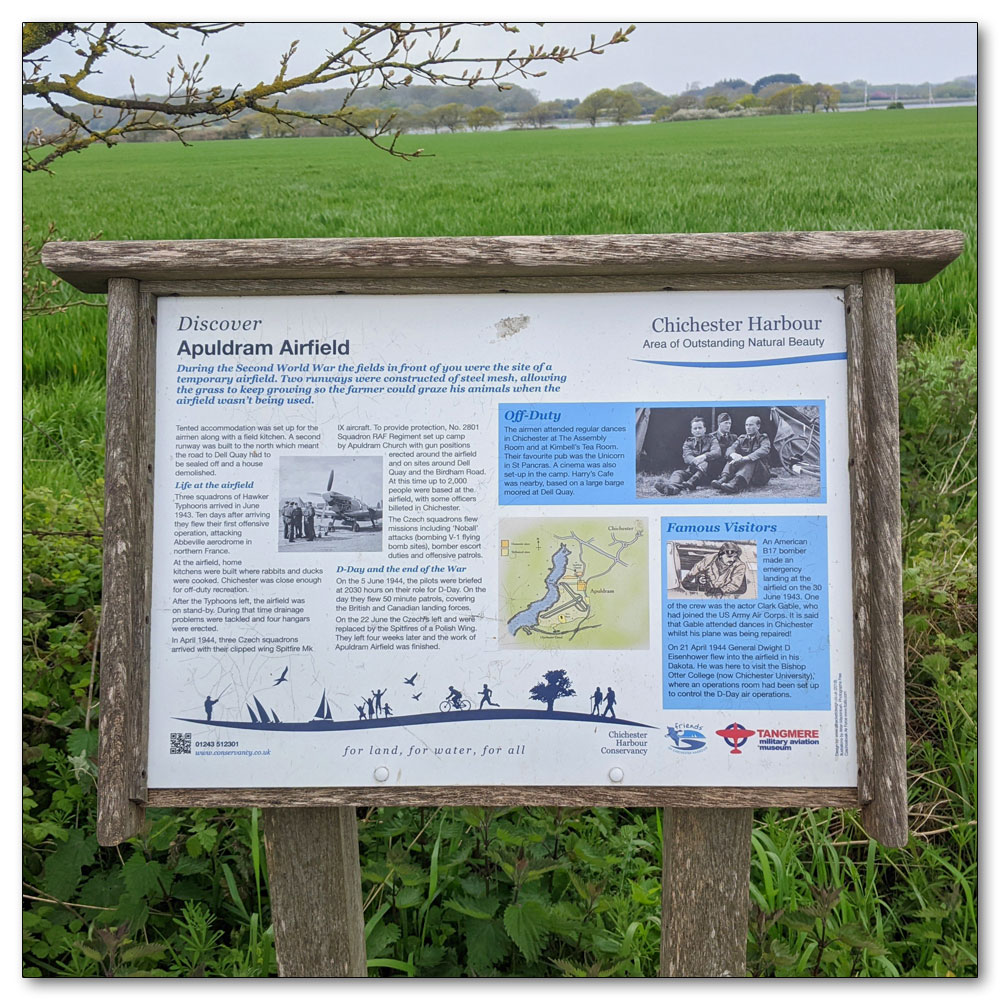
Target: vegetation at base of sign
<point x="517" y="892"/>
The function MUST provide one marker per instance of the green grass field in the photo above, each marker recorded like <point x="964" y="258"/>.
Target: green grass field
<point x="443" y="897"/>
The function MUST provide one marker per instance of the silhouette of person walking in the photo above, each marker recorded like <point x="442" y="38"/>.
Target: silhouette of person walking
<point x="209" y="702"/>
<point x="609" y="703"/>
<point x="486" y="693"/>
<point x="597" y="699"/>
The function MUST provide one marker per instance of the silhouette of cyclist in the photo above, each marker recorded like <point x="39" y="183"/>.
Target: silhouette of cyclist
<point x="455" y="697"/>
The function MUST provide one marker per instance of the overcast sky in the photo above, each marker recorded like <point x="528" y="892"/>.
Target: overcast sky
<point x="668" y="57"/>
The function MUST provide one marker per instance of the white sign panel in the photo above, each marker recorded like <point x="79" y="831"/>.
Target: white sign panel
<point x="568" y="539"/>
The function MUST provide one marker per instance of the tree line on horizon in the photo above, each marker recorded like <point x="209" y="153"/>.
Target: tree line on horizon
<point x="413" y="110"/>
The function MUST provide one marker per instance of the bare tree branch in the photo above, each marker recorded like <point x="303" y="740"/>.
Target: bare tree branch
<point x="380" y="55"/>
<point x="41" y="293"/>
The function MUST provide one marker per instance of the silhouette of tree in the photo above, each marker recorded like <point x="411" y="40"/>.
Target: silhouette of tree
<point x="541" y="114"/>
<point x="450" y="116"/>
<point x="484" y="117"/>
<point x="591" y="107"/>
<point x="623" y="106"/>
<point x="555" y="685"/>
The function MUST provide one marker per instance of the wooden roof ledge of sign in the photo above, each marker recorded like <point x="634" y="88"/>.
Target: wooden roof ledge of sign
<point x="914" y="255"/>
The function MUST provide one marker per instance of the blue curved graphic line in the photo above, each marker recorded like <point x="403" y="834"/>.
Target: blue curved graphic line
<point x="800" y="360"/>
<point x="489" y="715"/>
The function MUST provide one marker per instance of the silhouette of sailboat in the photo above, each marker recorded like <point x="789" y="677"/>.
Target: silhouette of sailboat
<point x="253" y="718"/>
<point x="261" y="711"/>
<point x="323" y="712"/>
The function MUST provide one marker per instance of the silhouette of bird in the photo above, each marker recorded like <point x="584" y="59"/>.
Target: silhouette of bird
<point x="410" y="680"/>
<point x="283" y="677"/>
<point x="416" y="697"/>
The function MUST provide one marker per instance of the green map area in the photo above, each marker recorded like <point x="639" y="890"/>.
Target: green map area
<point x="574" y="583"/>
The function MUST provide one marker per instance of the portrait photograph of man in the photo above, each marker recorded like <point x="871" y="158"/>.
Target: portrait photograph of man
<point x="712" y="569"/>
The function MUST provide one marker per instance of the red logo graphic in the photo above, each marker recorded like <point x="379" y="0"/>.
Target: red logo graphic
<point x="735" y="736"/>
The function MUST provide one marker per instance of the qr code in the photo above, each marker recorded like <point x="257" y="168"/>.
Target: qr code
<point x="180" y="742"/>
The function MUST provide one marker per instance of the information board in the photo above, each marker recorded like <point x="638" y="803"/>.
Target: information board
<point x="502" y="539"/>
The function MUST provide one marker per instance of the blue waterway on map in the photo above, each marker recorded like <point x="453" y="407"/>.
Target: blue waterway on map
<point x="529" y="616"/>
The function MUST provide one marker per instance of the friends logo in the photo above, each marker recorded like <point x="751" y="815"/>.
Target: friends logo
<point x="686" y="738"/>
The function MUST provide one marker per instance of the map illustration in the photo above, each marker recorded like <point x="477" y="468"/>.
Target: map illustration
<point x="574" y="583"/>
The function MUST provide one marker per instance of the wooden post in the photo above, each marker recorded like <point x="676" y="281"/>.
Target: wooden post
<point x="127" y="550"/>
<point x="885" y="816"/>
<point x="861" y="535"/>
<point x="706" y="892"/>
<point x="314" y="875"/>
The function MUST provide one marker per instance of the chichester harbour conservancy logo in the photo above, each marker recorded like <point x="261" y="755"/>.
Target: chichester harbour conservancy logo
<point x="735" y="736"/>
<point x="686" y="738"/>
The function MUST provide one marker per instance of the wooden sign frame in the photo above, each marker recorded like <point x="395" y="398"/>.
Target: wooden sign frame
<point x="864" y="265"/>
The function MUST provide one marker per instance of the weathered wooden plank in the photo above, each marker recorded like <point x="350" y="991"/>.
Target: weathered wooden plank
<point x="915" y="256"/>
<point x="121" y="749"/>
<point x="885" y="817"/>
<point x="459" y="284"/>
<point x="706" y="892"/>
<point x="861" y="537"/>
<point x="145" y="433"/>
<point x="314" y="876"/>
<point x="523" y="795"/>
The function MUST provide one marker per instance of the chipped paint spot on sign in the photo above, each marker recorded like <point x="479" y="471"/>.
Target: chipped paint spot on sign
<point x="512" y="324"/>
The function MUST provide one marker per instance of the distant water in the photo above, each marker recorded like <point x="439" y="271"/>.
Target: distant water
<point x="872" y="106"/>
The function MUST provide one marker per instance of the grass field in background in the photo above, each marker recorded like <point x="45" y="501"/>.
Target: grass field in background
<point x="874" y="170"/>
<point x="887" y="913"/>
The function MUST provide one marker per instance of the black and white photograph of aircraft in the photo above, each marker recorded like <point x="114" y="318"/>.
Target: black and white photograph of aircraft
<point x="346" y="516"/>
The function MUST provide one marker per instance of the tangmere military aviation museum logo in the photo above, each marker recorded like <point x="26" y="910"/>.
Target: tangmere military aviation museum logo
<point x="735" y="735"/>
<point x="686" y="738"/>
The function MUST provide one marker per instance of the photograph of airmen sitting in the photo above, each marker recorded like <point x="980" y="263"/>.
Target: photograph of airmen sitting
<point x="344" y="517"/>
<point x="713" y="452"/>
<point x="747" y="460"/>
<point x="712" y="569"/>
